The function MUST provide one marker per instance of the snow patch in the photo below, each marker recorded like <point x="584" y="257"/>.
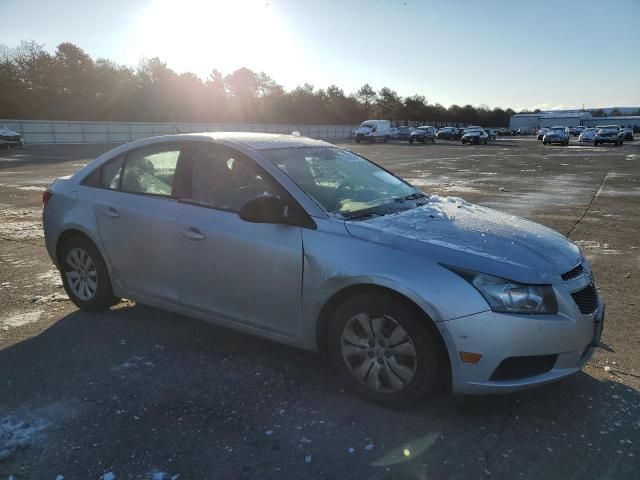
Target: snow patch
<point x="21" y="230"/>
<point x="604" y="248"/>
<point x="20" y="319"/>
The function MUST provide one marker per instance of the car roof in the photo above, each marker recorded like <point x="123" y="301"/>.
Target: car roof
<point x="254" y="141"/>
<point x="607" y="126"/>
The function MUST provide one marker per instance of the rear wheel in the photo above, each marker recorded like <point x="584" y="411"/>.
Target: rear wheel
<point x="84" y="275"/>
<point x="384" y="350"/>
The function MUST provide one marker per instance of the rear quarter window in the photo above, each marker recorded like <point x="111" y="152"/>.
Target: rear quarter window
<point x="106" y="176"/>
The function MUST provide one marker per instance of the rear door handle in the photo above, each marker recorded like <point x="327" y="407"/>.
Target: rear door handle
<point x="110" y="212"/>
<point x="193" y="234"/>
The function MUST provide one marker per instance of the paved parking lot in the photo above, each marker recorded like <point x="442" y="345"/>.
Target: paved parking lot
<point x="136" y="393"/>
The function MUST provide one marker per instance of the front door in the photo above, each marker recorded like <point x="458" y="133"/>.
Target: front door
<point x="249" y="273"/>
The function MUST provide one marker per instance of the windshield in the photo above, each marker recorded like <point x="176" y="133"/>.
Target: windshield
<point x="556" y="130"/>
<point x="340" y="181"/>
<point x="368" y="125"/>
<point x="608" y="129"/>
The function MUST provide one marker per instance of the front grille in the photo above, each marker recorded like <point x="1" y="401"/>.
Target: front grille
<point x="516" y="368"/>
<point x="573" y="273"/>
<point x="586" y="299"/>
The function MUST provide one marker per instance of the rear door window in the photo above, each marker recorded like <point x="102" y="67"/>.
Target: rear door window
<point x="151" y="170"/>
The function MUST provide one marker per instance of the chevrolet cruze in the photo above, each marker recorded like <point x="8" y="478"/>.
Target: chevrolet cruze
<point x="312" y="245"/>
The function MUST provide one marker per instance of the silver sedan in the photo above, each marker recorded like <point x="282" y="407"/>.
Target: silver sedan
<point x="312" y="245"/>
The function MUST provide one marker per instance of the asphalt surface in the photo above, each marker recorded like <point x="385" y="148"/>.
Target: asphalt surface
<point x="137" y="393"/>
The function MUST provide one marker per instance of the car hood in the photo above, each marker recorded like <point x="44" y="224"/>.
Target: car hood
<point x="453" y="232"/>
<point x="4" y="131"/>
<point x="473" y="133"/>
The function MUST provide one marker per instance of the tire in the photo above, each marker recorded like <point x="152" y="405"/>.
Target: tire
<point x="544" y="143"/>
<point x="386" y="139"/>
<point x="433" y="140"/>
<point x="357" y="140"/>
<point x="621" y="142"/>
<point x="411" y="140"/>
<point x="401" y="379"/>
<point x="424" y="140"/>
<point x="73" y="262"/>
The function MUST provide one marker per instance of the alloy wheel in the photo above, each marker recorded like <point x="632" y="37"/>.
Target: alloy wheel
<point x="379" y="352"/>
<point x="82" y="276"/>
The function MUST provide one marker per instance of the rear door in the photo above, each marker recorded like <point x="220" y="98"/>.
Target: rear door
<point x="136" y="215"/>
<point x="250" y="273"/>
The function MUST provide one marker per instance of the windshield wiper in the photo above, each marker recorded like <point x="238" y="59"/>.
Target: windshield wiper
<point x="413" y="196"/>
<point x="362" y="215"/>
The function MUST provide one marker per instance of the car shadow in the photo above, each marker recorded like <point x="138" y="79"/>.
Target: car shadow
<point x="139" y="379"/>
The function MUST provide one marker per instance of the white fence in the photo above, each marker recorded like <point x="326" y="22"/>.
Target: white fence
<point x="44" y="131"/>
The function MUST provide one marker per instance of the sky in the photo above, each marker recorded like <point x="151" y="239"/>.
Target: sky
<point x="520" y="54"/>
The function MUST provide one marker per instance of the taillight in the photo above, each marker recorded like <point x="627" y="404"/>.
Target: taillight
<point x="46" y="195"/>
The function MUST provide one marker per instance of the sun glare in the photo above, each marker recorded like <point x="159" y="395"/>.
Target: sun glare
<point x="198" y="35"/>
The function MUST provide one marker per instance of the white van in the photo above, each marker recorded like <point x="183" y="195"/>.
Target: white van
<point x="372" y="130"/>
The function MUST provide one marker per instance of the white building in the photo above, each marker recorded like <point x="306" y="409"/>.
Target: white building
<point x="530" y="122"/>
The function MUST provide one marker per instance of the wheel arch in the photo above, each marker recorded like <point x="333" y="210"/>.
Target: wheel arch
<point x="74" y="231"/>
<point x="332" y="303"/>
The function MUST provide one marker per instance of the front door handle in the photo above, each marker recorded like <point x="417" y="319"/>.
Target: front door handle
<point x="193" y="234"/>
<point x="110" y="212"/>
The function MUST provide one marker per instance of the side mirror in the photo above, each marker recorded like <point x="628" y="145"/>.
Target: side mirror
<point x="264" y="209"/>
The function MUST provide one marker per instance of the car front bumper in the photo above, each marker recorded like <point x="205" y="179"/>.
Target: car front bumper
<point x="607" y="139"/>
<point x="519" y="351"/>
<point x="12" y="142"/>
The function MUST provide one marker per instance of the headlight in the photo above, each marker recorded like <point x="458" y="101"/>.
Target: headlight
<point x="507" y="296"/>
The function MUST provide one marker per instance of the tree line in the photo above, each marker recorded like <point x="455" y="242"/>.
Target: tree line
<point x="70" y="85"/>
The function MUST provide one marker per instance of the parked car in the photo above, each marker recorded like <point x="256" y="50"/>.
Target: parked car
<point x="576" y="131"/>
<point x="403" y="133"/>
<point x="10" y="138"/>
<point x="372" y="130"/>
<point x="588" y="135"/>
<point x="557" y="135"/>
<point x="448" y="133"/>
<point x="608" y="134"/>
<point x="503" y="131"/>
<point x="400" y="287"/>
<point x="627" y="133"/>
<point x="423" y="134"/>
<point x="491" y="134"/>
<point x="474" y="135"/>
<point x="541" y="133"/>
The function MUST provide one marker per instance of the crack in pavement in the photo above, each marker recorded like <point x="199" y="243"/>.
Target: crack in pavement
<point x="586" y="210"/>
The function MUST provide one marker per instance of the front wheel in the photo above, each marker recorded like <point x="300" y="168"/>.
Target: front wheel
<point x="84" y="275"/>
<point x="411" y="140"/>
<point x="384" y="350"/>
<point x="386" y="139"/>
